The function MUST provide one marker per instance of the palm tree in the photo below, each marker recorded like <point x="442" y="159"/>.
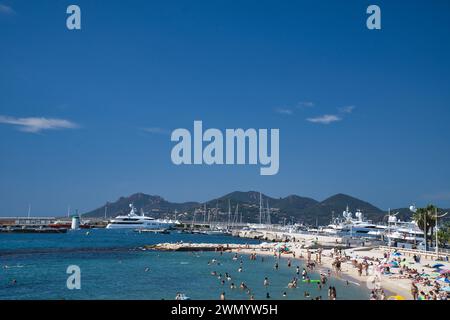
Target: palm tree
<point x="426" y="220"/>
<point x="444" y="235"/>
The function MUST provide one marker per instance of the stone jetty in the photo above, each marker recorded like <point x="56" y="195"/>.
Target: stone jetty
<point x="204" y="247"/>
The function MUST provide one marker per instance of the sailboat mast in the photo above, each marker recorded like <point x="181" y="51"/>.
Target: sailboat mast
<point x="229" y="214"/>
<point x="29" y="210"/>
<point x="204" y="216"/>
<point x="241" y="218"/>
<point x="193" y="220"/>
<point x="260" y="208"/>
<point x="217" y="213"/>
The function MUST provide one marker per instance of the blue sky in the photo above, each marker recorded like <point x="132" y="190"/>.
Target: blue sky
<point x="85" y="115"/>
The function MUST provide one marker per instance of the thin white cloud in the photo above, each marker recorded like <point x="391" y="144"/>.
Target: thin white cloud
<point x="347" y="109"/>
<point x="305" y="104"/>
<point x="4" y="9"/>
<point x="156" y="130"/>
<point x="325" y="119"/>
<point x="290" y="110"/>
<point x="35" y="124"/>
<point x="284" y="111"/>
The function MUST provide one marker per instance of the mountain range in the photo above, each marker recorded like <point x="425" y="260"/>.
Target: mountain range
<point x="292" y="208"/>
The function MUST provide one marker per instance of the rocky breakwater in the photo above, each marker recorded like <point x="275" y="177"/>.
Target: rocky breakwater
<point x="202" y="247"/>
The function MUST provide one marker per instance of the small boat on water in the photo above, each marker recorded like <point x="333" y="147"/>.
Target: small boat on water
<point x="181" y="297"/>
<point x="165" y="231"/>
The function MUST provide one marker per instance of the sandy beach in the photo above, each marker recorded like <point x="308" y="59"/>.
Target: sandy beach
<point x="393" y="284"/>
<point x="385" y="269"/>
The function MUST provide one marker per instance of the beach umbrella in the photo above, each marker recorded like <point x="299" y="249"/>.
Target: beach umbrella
<point x="435" y="274"/>
<point x="446" y="289"/>
<point x="438" y="265"/>
<point x="396" y="254"/>
<point x="396" y="298"/>
<point x="443" y="280"/>
<point x="444" y="271"/>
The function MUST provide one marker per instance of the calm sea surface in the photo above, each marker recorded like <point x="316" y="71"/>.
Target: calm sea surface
<point x="113" y="266"/>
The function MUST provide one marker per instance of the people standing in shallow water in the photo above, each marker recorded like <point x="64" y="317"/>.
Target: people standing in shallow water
<point x="414" y="291"/>
<point x="266" y="282"/>
<point x="333" y="293"/>
<point x="222" y="296"/>
<point x="276" y="265"/>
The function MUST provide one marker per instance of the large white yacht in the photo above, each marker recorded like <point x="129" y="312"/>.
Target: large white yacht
<point x="135" y="221"/>
<point x="404" y="233"/>
<point x="354" y="226"/>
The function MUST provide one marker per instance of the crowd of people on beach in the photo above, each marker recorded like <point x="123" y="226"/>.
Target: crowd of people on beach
<point x="371" y="269"/>
<point x="431" y="288"/>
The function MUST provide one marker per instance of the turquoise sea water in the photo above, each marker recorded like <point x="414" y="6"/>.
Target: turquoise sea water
<point x="113" y="266"/>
